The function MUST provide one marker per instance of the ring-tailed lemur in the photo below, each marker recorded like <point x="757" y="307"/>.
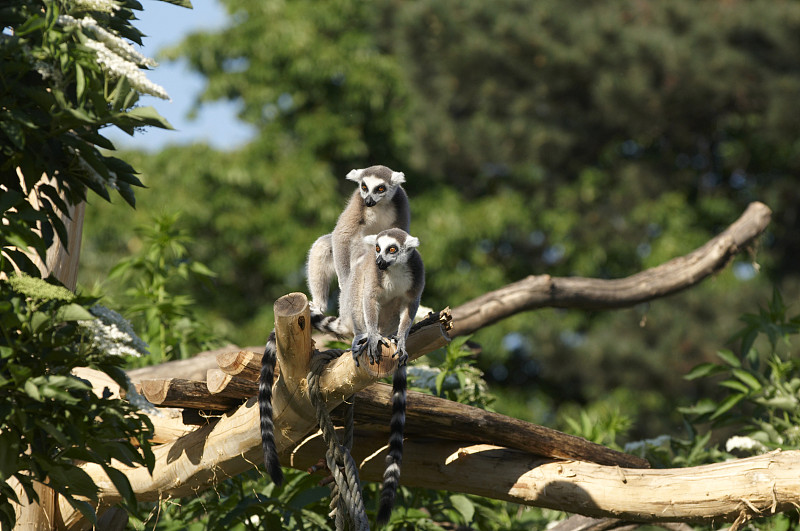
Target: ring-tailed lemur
<point x="379" y="203"/>
<point x="380" y="301"/>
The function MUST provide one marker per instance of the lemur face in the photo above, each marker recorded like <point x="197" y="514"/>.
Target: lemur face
<point x="376" y="183"/>
<point x="392" y="246"/>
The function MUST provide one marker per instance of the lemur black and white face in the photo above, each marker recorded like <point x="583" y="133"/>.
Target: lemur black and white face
<point x="376" y="183"/>
<point x="392" y="246"/>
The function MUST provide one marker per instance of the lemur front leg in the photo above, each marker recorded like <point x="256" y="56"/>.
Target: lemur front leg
<point x="403" y="328"/>
<point x="371" y="342"/>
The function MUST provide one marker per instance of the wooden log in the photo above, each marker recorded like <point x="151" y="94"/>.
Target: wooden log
<point x="243" y="364"/>
<point x="440" y="418"/>
<point x="176" y="392"/>
<point x="187" y="465"/>
<point x="293" y="413"/>
<point x="194" y="368"/>
<point x="343" y="378"/>
<point x="31" y="515"/>
<point x="223" y="384"/>
<point x="538" y="291"/>
<point x="729" y="491"/>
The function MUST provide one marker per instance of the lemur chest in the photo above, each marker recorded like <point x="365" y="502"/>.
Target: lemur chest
<point x="395" y="283"/>
<point x="378" y="218"/>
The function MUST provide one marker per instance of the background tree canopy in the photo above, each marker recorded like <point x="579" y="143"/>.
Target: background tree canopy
<point x="560" y="137"/>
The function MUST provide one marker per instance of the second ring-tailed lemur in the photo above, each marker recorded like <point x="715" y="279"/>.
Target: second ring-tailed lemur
<point x="380" y="301"/>
<point x="379" y="203"/>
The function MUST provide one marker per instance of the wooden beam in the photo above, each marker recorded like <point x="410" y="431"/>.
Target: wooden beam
<point x="223" y="384"/>
<point x="435" y="417"/>
<point x="242" y="364"/>
<point x="177" y="392"/>
<point x="729" y="491"/>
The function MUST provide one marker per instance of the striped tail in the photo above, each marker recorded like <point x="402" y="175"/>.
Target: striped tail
<point x="329" y="324"/>
<point x="271" y="462"/>
<point x="394" y="457"/>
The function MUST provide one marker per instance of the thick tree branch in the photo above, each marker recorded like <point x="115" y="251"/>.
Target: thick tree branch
<point x="541" y="291"/>
<point x="730" y="491"/>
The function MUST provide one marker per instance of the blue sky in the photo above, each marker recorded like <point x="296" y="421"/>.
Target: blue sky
<point x="165" y="25"/>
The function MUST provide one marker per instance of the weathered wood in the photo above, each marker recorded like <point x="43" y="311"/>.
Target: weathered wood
<point x="194" y="368"/>
<point x="594" y="294"/>
<point x="34" y="516"/>
<point x="244" y="364"/>
<point x="176" y="392"/>
<point x="743" y="488"/>
<point x="343" y="378"/>
<point x="578" y="522"/>
<point x="188" y="464"/>
<point x="223" y="384"/>
<point x="435" y="417"/>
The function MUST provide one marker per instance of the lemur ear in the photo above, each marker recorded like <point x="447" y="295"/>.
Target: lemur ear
<point x="371" y="239"/>
<point x="398" y="177"/>
<point x="412" y="241"/>
<point x="354" y="175"/>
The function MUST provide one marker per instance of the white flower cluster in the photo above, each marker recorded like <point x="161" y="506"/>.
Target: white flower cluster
<point x="47" y="71"/>
<point x="116" y="56"/>
<point x="102" y="6"/>
<point x="738" y="442"/>
<point x="113" y="334"/>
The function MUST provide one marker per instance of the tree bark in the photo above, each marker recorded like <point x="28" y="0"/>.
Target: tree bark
<point x="433" y="417"/>
<point x="730" y="491"/>
<point x="541" y="291"/>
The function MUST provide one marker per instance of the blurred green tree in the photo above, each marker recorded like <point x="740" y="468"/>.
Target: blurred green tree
<point x="565" y="138"/>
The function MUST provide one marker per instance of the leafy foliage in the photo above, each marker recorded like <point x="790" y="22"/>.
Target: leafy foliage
<point x="761" y="388"/>
<point x="49" y="416"/>
<point x="167" y="320"/>
<point x="64" y="79"/>
<point x="68" y="71"/>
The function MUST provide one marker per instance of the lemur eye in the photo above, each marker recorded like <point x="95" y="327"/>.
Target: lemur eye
<point x="364" y="187"/>
<point x="377" y="248"/>
<point x="381" y="189"/>
<point x="393" y="249"/>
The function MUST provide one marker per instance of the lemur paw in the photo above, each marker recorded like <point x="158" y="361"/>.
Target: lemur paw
<point x="401" y="355"/>
<point x="358" y="346"/>
<point x="376" y="341"/>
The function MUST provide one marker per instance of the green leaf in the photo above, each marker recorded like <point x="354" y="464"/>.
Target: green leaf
<point x="726" y="405"/>
<point x="704" y="369"/>
<point x="748" y="379"/>
<point x="14" y="133"/>
<point x="9" y="454"/>
<point x="700" y="408"/>
<point x="464" y="506"/>
<point x="182" y="3"/>
<point x="73" y="312"/>
<point x="729" y="357"/>
<point x="147" y="116"/>
<point x="735" y="385"/>
<point x="80" y="81"/>
<point x="32" y="390"/>
<point x="120" y="481"/>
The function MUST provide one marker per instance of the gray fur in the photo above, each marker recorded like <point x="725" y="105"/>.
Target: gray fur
<point x="334" y="253"/>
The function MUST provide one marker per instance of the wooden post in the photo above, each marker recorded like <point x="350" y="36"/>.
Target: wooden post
<point x="62" y="262"/>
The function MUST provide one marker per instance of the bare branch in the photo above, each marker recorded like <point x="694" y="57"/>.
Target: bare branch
<point x="591" y="293"/>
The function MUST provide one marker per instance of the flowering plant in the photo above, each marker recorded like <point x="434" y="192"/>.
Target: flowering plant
<point x="51" y="419"/>
<point x="69" y="70"/>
